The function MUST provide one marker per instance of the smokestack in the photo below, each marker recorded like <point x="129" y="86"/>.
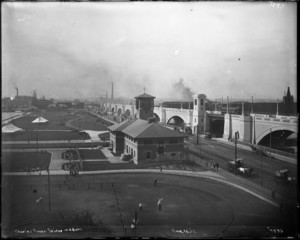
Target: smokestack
<point x="252" y="105"/>
<point x="112" y="90"/>
<point x="17" y="96"/>
<point x="17" y="91"/>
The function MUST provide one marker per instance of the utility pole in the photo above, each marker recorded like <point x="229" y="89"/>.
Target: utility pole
<point x="261" y="167"/>
<point x="200" y="146"/>
<point x="197" y="135"/>
<point x="235" y="151"/>
<point x="49" y="201"/>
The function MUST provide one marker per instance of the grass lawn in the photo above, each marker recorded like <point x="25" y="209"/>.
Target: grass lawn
<point x="43" y="136"/>
<point x="56" y="120"/>
<point x="22" y="161"/>
<point x="91" y="154"/>
<point x="88" y="122"/>
<point x="202" y="207"/>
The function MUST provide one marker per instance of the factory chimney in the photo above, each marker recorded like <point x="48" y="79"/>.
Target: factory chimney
<point x="17" y="96"/>
<point x="112" y="91"/>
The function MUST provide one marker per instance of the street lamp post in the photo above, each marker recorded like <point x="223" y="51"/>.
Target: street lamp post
<point x="37" y="136"/>
<point x="270" y="140"/>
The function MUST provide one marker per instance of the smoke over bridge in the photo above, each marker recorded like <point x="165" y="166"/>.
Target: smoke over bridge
<point x="181" y="91"/>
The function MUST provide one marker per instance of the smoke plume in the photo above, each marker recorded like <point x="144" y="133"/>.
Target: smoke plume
<point x="183" y="92"/>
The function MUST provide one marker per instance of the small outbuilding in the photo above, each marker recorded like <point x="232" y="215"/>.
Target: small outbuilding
<point x="40" y="120"/>
<point x="10" y="128"/>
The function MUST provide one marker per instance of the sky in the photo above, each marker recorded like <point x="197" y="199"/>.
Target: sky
<point x="167" y="49"/>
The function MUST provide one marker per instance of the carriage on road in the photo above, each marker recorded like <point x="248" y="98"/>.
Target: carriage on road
<point x="245" y="171"/>
<point x="283" y="176"/>
<point x="233" y="165"/>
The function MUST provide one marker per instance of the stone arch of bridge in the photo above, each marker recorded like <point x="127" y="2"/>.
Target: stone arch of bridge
<point x="119" y="111"/>
<point x="176" y="120"/>
<point x="127" y="112"/>
<point x="274" y="129"/>
<point x="157" y="118"/>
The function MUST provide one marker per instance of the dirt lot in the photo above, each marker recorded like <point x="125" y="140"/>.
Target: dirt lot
<point x="98" y="205"/>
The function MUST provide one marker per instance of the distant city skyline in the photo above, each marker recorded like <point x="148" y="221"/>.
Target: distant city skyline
<point x="76" y="50"/>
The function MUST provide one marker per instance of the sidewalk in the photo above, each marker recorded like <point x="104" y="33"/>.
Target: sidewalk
<point x="241" y="146"/>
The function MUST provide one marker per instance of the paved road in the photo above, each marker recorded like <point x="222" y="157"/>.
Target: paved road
<point x="221" y="151"/>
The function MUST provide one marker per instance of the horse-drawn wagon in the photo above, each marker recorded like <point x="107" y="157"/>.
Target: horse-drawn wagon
<point x="283" y="176"/>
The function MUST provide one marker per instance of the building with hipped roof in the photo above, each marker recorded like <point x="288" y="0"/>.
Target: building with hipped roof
<point x="143" y="138"/>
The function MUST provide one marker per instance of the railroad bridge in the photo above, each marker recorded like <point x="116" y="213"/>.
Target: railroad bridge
<point x="252" y="129"/>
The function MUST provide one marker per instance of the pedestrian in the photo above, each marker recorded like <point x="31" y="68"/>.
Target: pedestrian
<point x="132" y="226"/>
<point x="155" y="182"/>
<point x="273" y="194"/>
<point x="39" y="201"/>
<point x="159" y="204"/>
<point x="217" y="165"/>
<point x="160" y="169"/>
<point x="140" y="206"/>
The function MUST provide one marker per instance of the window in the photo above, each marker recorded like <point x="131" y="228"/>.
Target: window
<point x="195" y="119"/>
<point x="195" y="102"/>
<point x="148" y="142"/>
<point x="127" y="148"/>
<point x="161" y="141"/>
<point x="134" y="153"/>
<point x="173" y="140"/>
<point x="201" y="102"/>
<point x="160" y="149"/>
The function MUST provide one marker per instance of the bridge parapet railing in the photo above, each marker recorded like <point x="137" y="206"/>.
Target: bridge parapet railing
<point x="277" y="120"/>
<point x="267" y="149"/>
<point x="276" y="151"/>
<point x="176" y="109"/>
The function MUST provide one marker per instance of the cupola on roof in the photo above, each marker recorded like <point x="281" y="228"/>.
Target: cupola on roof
<point x="145" y="95"/>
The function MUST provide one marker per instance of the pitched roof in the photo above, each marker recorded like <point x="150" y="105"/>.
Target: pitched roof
<point x="145" y="95"/>
<point x="120" y="126"/>
<point x="40" y="120"/>
<point x="10" y="128"/>
<point x="142" y="129"/>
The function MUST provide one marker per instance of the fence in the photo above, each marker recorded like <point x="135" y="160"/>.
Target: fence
<point x="64" y="185"/>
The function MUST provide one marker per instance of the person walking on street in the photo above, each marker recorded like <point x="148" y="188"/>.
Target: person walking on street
<point x="217" y="165"/>
<point x="140" y="206"/>
<point x="159" y="204"/>
<point x="155" y="182"/>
